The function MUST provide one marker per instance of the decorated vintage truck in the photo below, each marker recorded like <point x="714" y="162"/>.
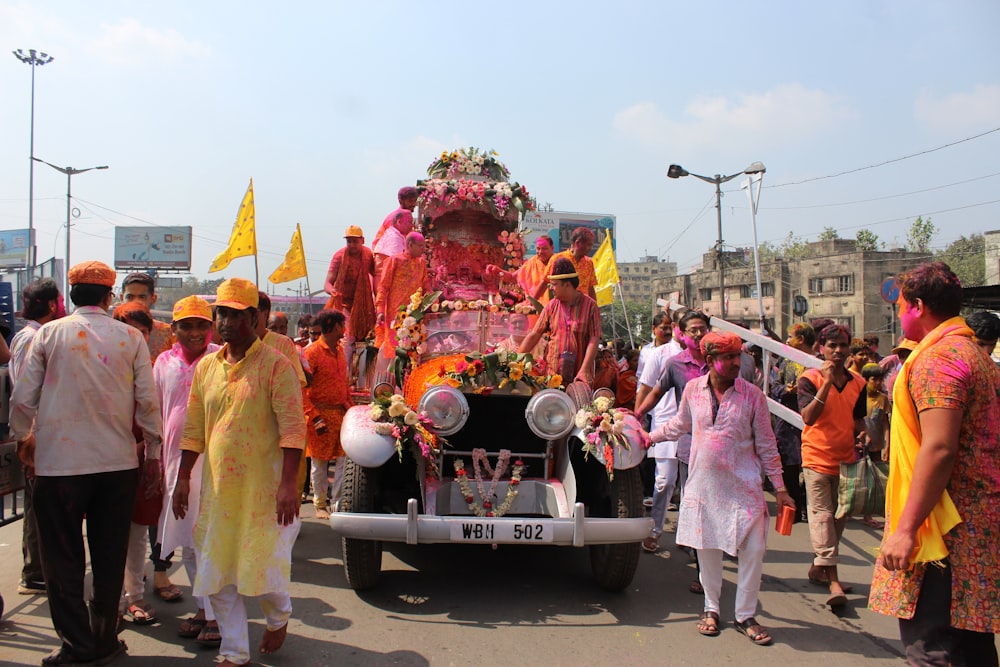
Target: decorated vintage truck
<point x="468" y="440"/>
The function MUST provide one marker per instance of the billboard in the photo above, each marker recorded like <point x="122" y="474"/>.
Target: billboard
<point x="14" y="246"/>
<point x="560" y="225"/>
<point x="153" y="248"/>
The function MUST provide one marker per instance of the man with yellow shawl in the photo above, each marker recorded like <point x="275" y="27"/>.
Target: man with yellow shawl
<point x="938" y="569"/>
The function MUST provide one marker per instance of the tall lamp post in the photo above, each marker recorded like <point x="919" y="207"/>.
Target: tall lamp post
<point x="677" y="171"/>
<point x="70" y="173"/>
<point x="756" y="179"/>
<point x="35" y="59"/>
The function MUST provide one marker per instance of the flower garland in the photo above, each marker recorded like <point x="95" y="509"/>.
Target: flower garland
<point x="504" y="303"/>
<point x="513" y="243"/>
<point x="411" y="334"/>
<point x="392" y="416"/>
<point x="470" y="178"/>
<point x="487" y="509"/>
<point x="603" y="429"/>
<point x="483" y="372"/>
<point x="468" y="162"/>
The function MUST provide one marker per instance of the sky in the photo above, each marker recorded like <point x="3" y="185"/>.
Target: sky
<point x="865" y="114"/>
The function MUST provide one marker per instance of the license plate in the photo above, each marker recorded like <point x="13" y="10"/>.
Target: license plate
<point x="502" y="532"/>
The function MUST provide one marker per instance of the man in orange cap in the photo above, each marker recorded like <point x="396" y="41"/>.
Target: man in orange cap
<point x="349" y="282"/>
<point x="86" y="467"/>
<point x="140" y="288"/>
<point x="173" y="374"/>
<point x="246" y="406"/>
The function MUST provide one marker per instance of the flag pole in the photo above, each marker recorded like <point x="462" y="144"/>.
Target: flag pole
<point x="628" y="327"/>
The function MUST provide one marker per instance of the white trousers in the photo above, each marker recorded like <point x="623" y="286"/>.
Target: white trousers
<point x="663" y="491"/>
<point x="321" y="481"/>
<point x="231" y="613"/>
<point x="751" y="564"/>
<point x="135" y="563"/>
<point x="190" y="562"/>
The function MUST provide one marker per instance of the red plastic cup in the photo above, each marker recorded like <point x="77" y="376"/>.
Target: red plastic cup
<point x="785" y="519"/>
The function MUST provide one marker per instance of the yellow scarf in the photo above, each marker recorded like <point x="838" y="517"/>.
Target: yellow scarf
<point x="904" y="444"/>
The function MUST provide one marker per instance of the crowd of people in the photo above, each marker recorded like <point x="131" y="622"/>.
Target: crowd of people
<point x="213" y="426"/>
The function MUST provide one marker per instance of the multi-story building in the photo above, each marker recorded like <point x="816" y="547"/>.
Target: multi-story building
<point x="833" y="277"/>
<point x="638" y="277"/>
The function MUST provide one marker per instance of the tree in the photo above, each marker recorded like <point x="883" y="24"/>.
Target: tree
<point x="921" y="233"/>
<point x="792" y="248"/>
<point x="829" y="234"/>
<point x="639" y="319"/>
<point x="967" y="258"/>
<point x="868" y="240"/>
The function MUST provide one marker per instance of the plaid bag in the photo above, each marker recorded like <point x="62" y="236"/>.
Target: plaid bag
<point x="862" y="488"/>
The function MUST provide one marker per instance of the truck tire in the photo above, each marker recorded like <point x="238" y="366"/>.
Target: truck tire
<point x="362" y="558"/>
<point x="614" y="565"/>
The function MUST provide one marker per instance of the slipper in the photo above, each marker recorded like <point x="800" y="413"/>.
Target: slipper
<point x="754" y="632"/>
<point x="825" y="583"/>
<point x="650" y="545"/>
<point x="140" y="613"/>
<point x="210" y="634"/>
<point x="108" y="658"/>
<point x="872" y="523"/>
<point x="837" y="600"/>
<point x="191" y="627"/>
<point x="708" y="624"/>
<point x="168" y="593"/>
<point x="696" y="588"/>
<point x="272" y="640"/>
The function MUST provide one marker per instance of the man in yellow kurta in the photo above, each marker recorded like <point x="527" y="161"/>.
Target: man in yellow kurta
<point x="402" y="275"/>
<point x="245" y="414"/>
<point x="582" y="242"/>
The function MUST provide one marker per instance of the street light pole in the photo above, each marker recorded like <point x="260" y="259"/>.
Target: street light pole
<point x="70" y="173"/>
<point x="35" y="59"/>
<point x="757" y="177"/>
<point x="677" y="171"/>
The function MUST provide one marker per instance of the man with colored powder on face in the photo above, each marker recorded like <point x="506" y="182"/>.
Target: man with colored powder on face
<point x="403" y="275"/>
<point x="938" y="568"/>
<point x="723" y="509"/>
<point x="173" y="374"/>
<point x="582" y="242"/>
<point x="86" y="468"/>
<point x="245" y="413"/>
<point x="141" y="288"/>
<point x="532" y="275"/>
<point x="349" y="282"/>
<point x="390" y="239"/>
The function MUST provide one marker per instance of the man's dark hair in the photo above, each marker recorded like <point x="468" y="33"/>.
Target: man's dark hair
<point x="984" y="324"/>
<point x="140" y="279"/>
<point x="872" y="339"/>
<point x="831" y="331"/>
<point x="936" y="285"/>
<point x="263" y="303"/>
<point x="305" y="319"/>
<point x="88" y="295"/>
<point x="36" y="297"/>
<point x="563" y="266"/>
<point x="137" y="315"/>
<point x="693" y="315"/>
<point x="821" y="323"/>
<point x="659" y="318"/>
<point x="582" y="233"/>
<point x="327" y="319"/>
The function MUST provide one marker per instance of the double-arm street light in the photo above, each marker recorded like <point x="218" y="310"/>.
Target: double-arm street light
<point x="677" y="171"/>
<point x="35" y="59"/>
<point x="70" y="173"/>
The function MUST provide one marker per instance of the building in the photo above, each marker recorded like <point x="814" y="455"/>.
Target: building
<point x="638" y="278"/>
<point x="834" y="278"/>
<point x="992" y="257"/>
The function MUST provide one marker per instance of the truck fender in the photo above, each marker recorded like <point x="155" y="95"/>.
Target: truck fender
<point x="361" y="442"/>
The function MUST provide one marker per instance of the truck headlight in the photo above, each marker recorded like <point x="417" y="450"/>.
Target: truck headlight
<point x="446" y="407"/>
<point x="550" y="414"/>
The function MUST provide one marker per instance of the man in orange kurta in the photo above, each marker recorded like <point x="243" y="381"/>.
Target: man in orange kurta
<point x="582" y="242"/>
<point x="349" y="283"/>
<point x="403" y="275"/>
<point x="328" y="401"/>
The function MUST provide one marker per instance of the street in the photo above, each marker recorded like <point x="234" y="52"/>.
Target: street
<point x="460" y="605"/>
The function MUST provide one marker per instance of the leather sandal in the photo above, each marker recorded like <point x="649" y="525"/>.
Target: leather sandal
<point x="708" y="624"/>
<point x="754" y="631"/>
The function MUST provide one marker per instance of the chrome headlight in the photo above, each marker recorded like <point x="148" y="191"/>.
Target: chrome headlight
<point x="446" y="407"/>
<point x="550" y="414"/>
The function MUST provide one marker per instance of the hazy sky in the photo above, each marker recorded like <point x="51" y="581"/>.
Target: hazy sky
<point x="332" y="106"/>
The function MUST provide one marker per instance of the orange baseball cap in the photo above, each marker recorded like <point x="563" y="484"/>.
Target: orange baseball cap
<point x="354" y="230"/>
<point x="192" y="306"/>
<point x="238" y="293"/>
<point x="92" y="273"/>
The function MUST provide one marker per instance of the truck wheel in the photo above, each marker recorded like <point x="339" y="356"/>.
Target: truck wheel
<point x="362" y="558"/>
<point x="614" y="565"/>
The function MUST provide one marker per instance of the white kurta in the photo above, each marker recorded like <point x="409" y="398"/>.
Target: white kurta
<point x="666" y="407"/>
<point x="724" y="497"/>
<point x="173" y="375"/>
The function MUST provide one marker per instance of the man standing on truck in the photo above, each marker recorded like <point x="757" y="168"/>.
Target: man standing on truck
<point x="582" y="242"/>
<point x="396" y="226"/>
<point x="532" y="276"/>
<point x="349" y="283"/>
<point x="403" y="275"/>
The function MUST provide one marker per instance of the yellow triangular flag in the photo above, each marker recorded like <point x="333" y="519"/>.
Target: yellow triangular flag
<point x="243" y="240"/>
<point x="606" y="270"/>
<point x="294" y="265"/>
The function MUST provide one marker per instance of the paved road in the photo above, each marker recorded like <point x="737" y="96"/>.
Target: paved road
<point x="472" y="605"/>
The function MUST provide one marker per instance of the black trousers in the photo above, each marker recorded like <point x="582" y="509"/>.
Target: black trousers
<point x="929" y="638"/>
<point x="61" y="504"/>
<point x="31" y="572"/>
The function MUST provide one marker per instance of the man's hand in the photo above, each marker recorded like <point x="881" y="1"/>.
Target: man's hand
<point x="181" y="491"/>
<point x="26" y="451"/>
<point x="287" y="505"/>
<point x="784" y="499"/>
<point x="897" y="550"/>
<point x="826" y="370"/>
<point x="151" y="477"/>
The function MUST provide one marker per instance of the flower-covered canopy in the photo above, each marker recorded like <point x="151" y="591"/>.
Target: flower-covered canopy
<point x="472" y="179"/>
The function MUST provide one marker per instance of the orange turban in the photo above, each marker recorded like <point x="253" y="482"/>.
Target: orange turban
<point x="92" y="273"/>
<point x="721" y="342"/>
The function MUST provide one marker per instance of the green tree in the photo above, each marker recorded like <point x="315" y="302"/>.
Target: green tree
<point x="967" y="258"/>
<point x="868" y="240"/>
<point x="792" y="248"/>
<point x="640" y="319"/>
<point x="921" y="233"/>
<point x="829" y="234"/>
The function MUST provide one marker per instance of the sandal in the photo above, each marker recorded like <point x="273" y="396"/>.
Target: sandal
<point x="872" y="523"/>
<point x="754" y="632"/>
<point x="696" y="588"/>
<point x="140" y="613"/>
<point x="168" y="593"/>
<point x="210" y="634"/>
<point x="708" y="624"/>
<point x="191" y="627"/>
<point x="651" y="545"/>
